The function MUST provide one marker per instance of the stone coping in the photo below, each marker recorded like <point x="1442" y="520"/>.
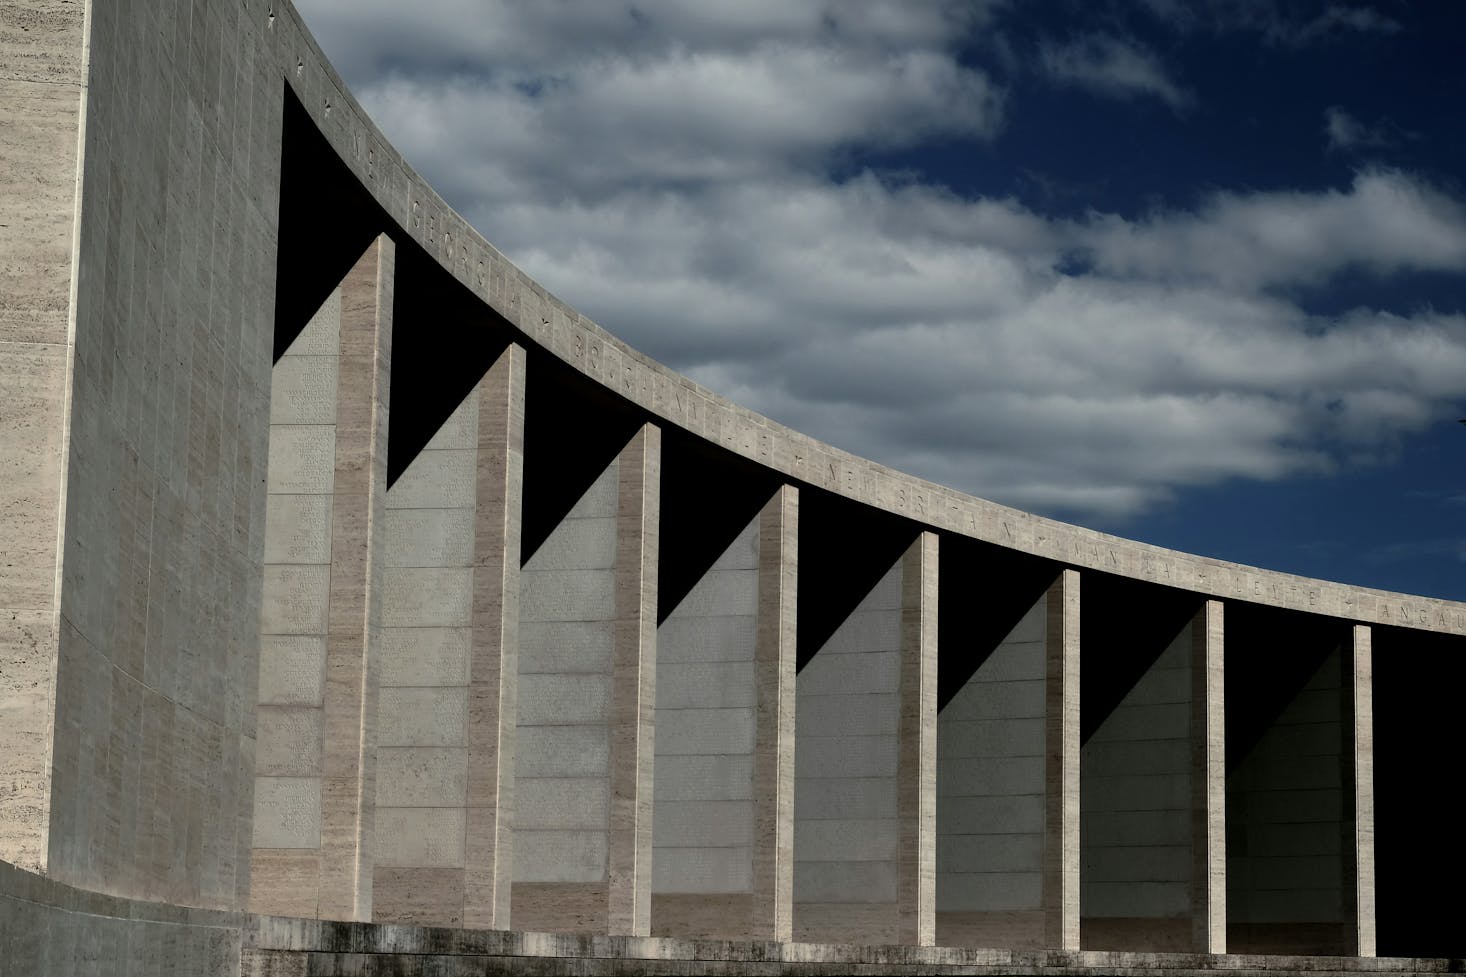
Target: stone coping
<point x="545" y="321"/>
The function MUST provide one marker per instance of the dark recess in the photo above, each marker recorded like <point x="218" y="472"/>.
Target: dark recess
<point x="1270" y="654"/>
<point x="984" y="591"/>
<point x="1419" y="796"/>
<point x="327" y="219"/>
<point x="709" y="495"/>
<point x="573" y="429"/>
<point x="1124" y="626"/>
<point x="444" y="339"/>
<point x="844" y="550"/>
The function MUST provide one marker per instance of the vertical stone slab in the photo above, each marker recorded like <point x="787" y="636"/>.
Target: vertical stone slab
<point x="847" y="828"/>
<point x="348" y="786"/>
<point x="285" y="860"/>
<point x="1138" y="875"/>
<point x="567" y="611"/>
<point x="773" y="761"/>
<point x="634" y="686"/>
<point x="1061" y="775"/>
<point x="1289" y="820"/>
<point x="1208" y="782"/>
<point x="1361" y="680"/>
<point x="991" y="761"/>
<point x="494" y="661"/>
<point x="422" y="707"/>
<point x="916" y="888"/>
<point x="703" y="832"/>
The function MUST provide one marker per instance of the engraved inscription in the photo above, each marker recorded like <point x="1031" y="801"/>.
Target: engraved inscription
<point x="321" y="335"/>
<point x="303" y="390"/>
<point x="294" y="600"/>
<point x="302" y="459"/>
<point x="425" y="656"/>
<point x="292" y="670"/>
<point x="287" y="812"/>
<point x="289" y="741"/>
<point x="460" y="430"/>
<point x="426" y="597"/>
<point x="430" y="537"/>
<point x="445" y="479"/>
<point x="422" y="716"/>
<point x="298" y="529"/>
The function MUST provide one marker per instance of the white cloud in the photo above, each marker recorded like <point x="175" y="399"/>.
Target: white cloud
<point x="676" y="188"/>
<point x="1344" y="132"/>
<point x="1385" y="222"/>
<point x="371" y="37"/>
<point x="1113" y="67"/>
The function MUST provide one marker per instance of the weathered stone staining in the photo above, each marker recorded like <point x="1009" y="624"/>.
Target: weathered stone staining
<point x="417" y="621"/>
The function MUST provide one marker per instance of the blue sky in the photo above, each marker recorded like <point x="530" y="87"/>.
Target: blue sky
<point x="1194" y="273"/>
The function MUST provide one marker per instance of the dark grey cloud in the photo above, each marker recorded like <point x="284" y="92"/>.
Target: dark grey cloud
<point x="1292" y="23"/>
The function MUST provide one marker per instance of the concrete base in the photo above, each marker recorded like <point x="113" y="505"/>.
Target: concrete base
<point x="50" y="928"/>
<point x="276" y="947"/>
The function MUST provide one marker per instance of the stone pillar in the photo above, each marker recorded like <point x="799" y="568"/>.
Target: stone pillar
<point x="773" y="759"/>
<point x="916" y="886"/>
<point x="1061" y="774"/>
<point x="321" y="616"/>
<point x="634" y="685"/>
<point x="1361" y="680"/>
<point x="43" y="86"/>
<point x="348" y="744"/>
<point x="1208" y="783"/>
<point x="494" y="656"/>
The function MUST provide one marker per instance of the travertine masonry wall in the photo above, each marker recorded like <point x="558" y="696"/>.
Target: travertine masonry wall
<point x="990" y="796"/>
<point x="164" y="513"/>
<point x="1137" y="797"/>
<point x="422" y="749"/>
<point x="567" y="607"/>
<point x="1287" y="824"/>
<point x="42" y="79"/>
<point x="136" y="324"/>
<point x="846" y="829"/>
<point x="293" y="628"/>
<point x="703" y="826"/>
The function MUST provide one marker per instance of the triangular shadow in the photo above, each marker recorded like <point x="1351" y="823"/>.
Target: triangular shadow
<point x="327" y="220"/>
<point x="573" y="429"/>
<point x="845" y="548"/>
<point x="1271" y="653"/>
<point x="1124" y="626"/>
<point x="709" y="496"/>
<point x="984" y="591"/>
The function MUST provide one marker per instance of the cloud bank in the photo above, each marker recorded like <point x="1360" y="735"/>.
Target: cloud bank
<point x="690" y="176"/>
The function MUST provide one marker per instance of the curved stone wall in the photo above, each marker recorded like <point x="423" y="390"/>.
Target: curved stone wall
<point x="352" y="576"/>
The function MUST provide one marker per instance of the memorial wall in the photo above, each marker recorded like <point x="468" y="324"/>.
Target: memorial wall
<point x="350" y="578"/>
